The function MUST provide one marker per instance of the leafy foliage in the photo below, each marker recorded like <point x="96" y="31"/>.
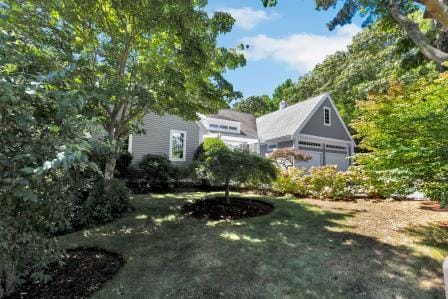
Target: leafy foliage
<point x="107" y="200"/>
<point x="221" y="165"/>
<point x="123" y="163"/>
<point x="157" y="171"/>
<point x="256" y="105"/>
<point x="327" y="182"/>
<point x="287" y="157"/>
<point x="404" y="131"/>
<point x="394" y="12"/>
<point x="41" y="137"/>
<point x="291" y="181"/>
<point x="133" y="57"/>
<point x="377" y="56"/>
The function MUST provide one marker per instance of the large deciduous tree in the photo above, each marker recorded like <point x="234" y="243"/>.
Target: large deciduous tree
<point x="399" y="11"/>
<point x="133" y="57"/>
<point x="377" y="56"/>
<point x="404" y="131"/>
<point x="256" y="105"/>
<point x="41" y="135"/>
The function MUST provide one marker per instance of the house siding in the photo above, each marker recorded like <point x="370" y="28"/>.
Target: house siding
<point x="156" y="139"/>
<point x="263" y="149"/>
<point x="315" y="125"/>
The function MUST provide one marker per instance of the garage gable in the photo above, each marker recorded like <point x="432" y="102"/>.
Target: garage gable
<point x="326" y="122"/>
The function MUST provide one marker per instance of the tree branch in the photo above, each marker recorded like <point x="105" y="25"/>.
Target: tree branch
<point x="437" y="10"/>
<point x="415" y="34"/>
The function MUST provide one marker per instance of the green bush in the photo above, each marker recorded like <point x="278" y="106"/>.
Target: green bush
<point x="157" y="171"/>
<point x="324" y="182"/>
<point x="291" y="181"/>
<point x="123" y="164"/>
<point x="375" y="184"/>
<point x="221" y="165"/>
<point x="107" y="200"/>
<point x="327" y="182"/>
<point x="181" y="173"/>
<point x="437" y="191"/>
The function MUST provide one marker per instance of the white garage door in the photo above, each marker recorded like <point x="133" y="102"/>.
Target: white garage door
<point x="337" y="159"/>
<point x="316" y="160"/>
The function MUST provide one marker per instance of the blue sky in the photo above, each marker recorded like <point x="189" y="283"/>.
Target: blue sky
<point x="285" y="41"/>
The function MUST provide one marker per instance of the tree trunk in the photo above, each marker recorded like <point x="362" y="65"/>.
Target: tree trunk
<point x="442" y="45"/>
<point x="227" y="191"/>
<point x="110" y="168"/>
<point x="416" y="35"/>
<point x="437" y="10"/>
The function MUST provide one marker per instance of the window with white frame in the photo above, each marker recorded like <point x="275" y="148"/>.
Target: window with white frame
<point x="272" y="147"/>
<point x="327" y="116"/>
<point x="310" y="144"/>
<point x="178" y="144"/>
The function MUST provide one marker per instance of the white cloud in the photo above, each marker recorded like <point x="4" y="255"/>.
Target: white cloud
<point x="248" y="18"/>
<point x="301" y="51"/>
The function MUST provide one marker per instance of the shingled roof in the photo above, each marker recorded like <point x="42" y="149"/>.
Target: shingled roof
<point x="248" y="126"/>
<point x="285" y="122"/>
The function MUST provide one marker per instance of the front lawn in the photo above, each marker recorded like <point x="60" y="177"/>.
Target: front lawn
<point x="302" y="249"/>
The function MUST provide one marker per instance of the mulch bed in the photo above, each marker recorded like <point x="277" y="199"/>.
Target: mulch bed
<point x="216" y="208"/>
<point x="83" y="272"/>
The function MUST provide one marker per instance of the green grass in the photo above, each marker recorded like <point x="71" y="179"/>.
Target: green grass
<point x="297" y="251"/>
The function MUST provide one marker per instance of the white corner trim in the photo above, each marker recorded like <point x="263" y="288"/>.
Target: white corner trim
<point x="329" y="116"/>
<point x="184" y="149"/>
<point x="130" y="139"/>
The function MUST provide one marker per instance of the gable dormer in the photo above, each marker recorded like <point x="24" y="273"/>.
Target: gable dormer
<point x="222" y="125"/>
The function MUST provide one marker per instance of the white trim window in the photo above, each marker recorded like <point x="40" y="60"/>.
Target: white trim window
<point x="327" y="116"/>
<point x="178" y="145"/>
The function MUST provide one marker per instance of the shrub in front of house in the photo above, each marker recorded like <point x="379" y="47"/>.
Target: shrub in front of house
<point x="122" y="168"/>
<point x="324" y="182"/>
<point x="327" y="182"/>
<point x="376" y="184"/>
<point x="106" y="201"/>
<point x="157" y="170"/>
<point x="438" y="191"/>
<point x="291" y="181"/>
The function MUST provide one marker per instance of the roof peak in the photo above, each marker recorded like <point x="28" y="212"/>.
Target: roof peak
<point x="325" y="94"/>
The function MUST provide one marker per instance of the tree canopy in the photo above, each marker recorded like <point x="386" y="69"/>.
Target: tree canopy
<point x="41" y="136"/>
<point x="133" y="57"/>
<point x="256" y="105"/>
<point x="404" y="131"/>
<point x="221" y="165"/>
<point x="377" y="56"/>
<point x="395" y="11"/>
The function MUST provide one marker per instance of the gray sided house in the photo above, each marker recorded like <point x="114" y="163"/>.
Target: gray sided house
<point x="313" y="126"/>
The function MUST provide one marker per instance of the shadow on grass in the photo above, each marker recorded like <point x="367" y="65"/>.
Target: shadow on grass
<point x="297" y="251"/>
<point x="431" y="235"/>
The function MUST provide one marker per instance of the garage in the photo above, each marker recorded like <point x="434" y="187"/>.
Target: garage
<point x="340" y="160"/>
<point x="316" y="160"/>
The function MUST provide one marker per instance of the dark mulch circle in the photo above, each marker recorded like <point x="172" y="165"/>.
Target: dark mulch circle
<point x="216" y="208"/>
<point x="83" y="272"/>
